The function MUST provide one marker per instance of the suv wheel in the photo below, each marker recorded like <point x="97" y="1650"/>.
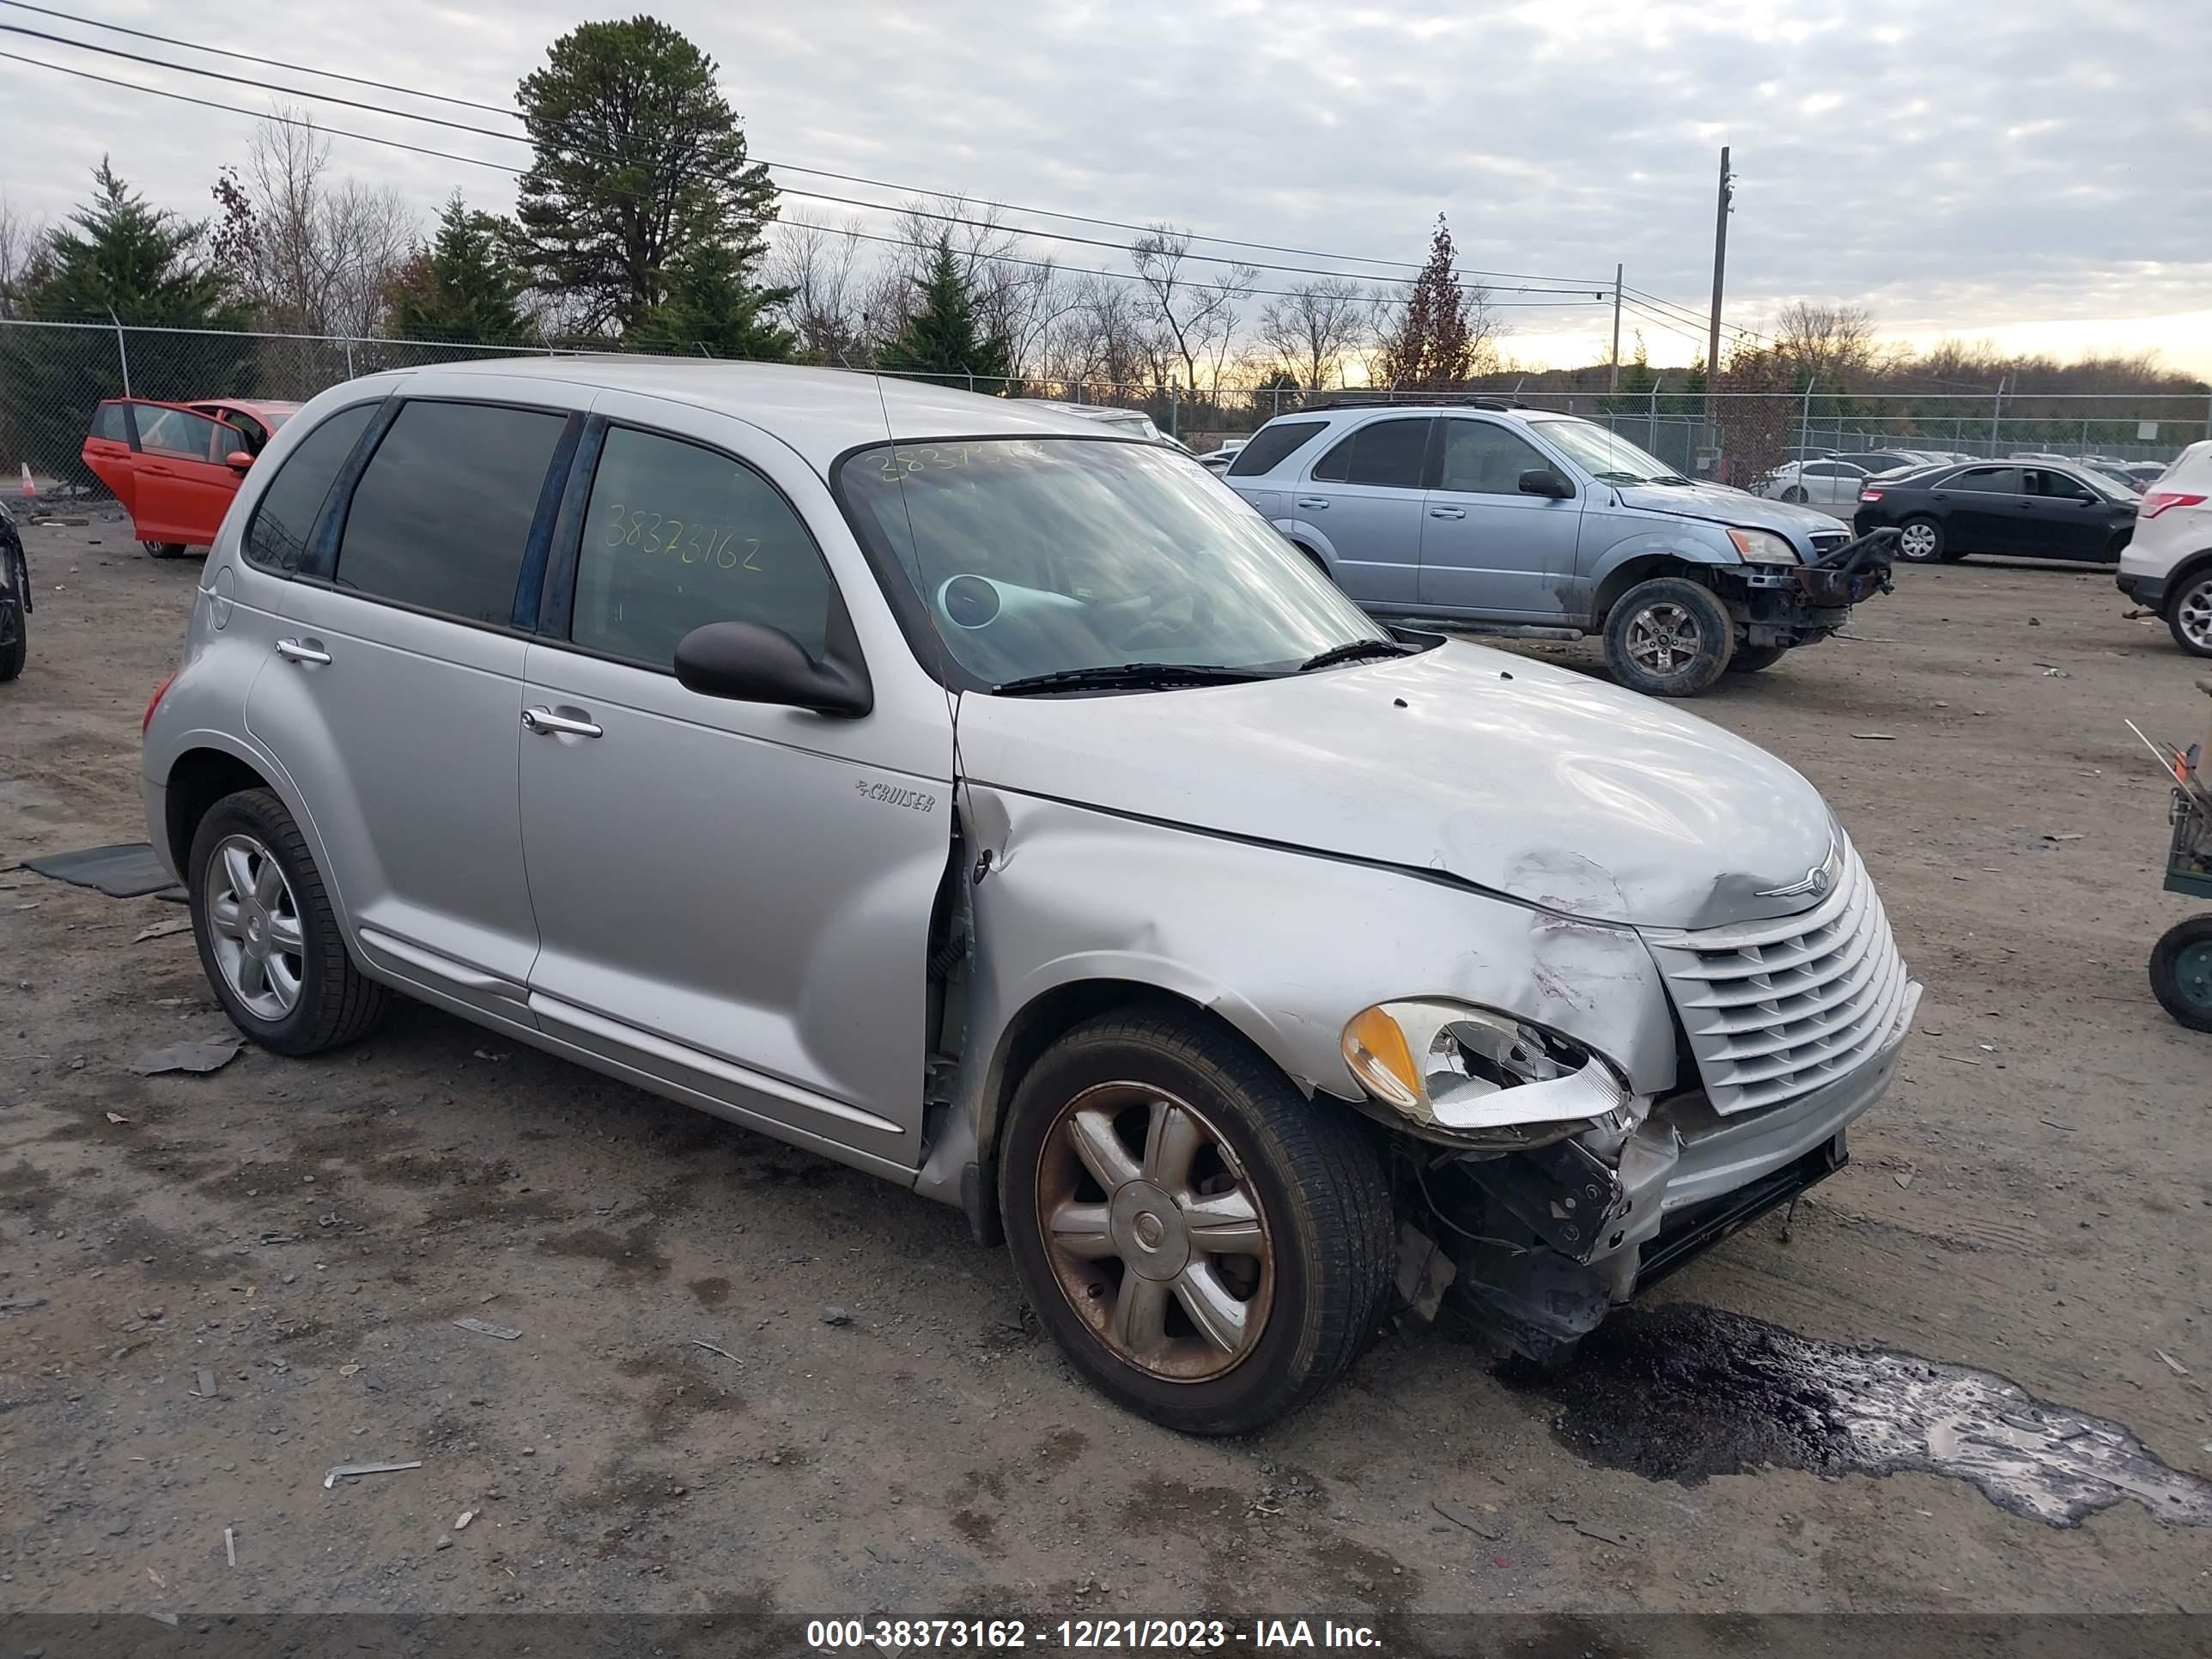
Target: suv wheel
<point x="2189" y="614"/>
<point x="268" y="937"/>
<point x="1210" y="1247"/>
<point x="1669" y="637"/>
<point x="14" y="619"/>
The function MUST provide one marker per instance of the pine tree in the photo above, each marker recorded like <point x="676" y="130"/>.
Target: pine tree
<point x="942" y="339"/>
<point x="464" y="287"/>
<point x="118" y="261"/>
<point x="712" y="310"/>
<point x="1433" y="348"/>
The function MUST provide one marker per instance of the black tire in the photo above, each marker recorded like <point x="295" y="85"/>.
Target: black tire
<point x="1750" y="658"/>
<point x="1644" y="617"/>
<point x="164" y="549"/>
<point x="1922" y="541"/>
<point x="336" y="1004"/>
<point x="1796" y="494"/>
<point x="1304" y="1167"/>
<point x="2188" y="612"/>
<point x="2181" y="972"/>
<point x="14" y="619"/>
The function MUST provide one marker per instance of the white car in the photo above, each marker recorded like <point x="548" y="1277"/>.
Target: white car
<point x="1130" y="422"/>
<point x="1216" y="460"/>
<point x="2166" y="565"/>
<point x="1825" y="484"/>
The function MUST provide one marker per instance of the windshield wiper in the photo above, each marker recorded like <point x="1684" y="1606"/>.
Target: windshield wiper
<point x="1132" y="675"/>
<point x="1352" y="650"/>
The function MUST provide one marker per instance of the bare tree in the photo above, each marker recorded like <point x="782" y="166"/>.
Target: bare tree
<point x="827" y="309"/>
<point x="22" y="240"/>
<point x="1310" y="331"/>
<point x="1193" y="299"/>
<point x="325" y="255"/>
<point x="1832" y="343"/>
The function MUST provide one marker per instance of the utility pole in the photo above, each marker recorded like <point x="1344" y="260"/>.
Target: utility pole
<point x="1720" y="268"/>
<point x="1614" y="384"/>
<point x="1997" y="419"/>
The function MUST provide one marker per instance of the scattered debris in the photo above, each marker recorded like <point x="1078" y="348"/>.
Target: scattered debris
<point x="1875" y="737"/>
<point x="22" y="1304"/>
<point x="1904" y="1178"/>
<point x="168" y="1619"/>
<point x="1459" y="1515"/>
<point x="348" y="1371"/>
<point x="2074" y="836"/>
<point x="230" y="1547"/>
<point x="445" y="1542"/>
<point x="711" y="1348"/>
<point x="1963" y="1059"/>
<point x="205" y="1380"/>
<point x="2172" y="1364"/>
<point x="835" y="1316"/>
<point x="485" y="1328"/>
<point x="483" y="1054"/>
<point x="461" y="1521"/>
<point x="1604" y="1535"/>
<point x="208" y="1054"/>
<point x="163" y="929"/>
<point x="339" y="1470"/>
<point x="1425" y="1273"/>
<point x="116" y="1117"/>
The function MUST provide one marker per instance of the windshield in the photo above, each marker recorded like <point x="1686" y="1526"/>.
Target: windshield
<point x="1604" y="454"/>
<point x="1039" y="557"/>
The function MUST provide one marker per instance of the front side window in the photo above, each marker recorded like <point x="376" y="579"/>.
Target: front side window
<point x="1988" y="480"/>
<point x="676" y="537"/>
<point x="1035" y="556"/>
<point x="1391" y="453"/>
<point x="284" y="517"/>
<point x="441" y="520"/>
<point x="1483" y="459"/>
<point x="1604" y="454"/>
<point x="181" y="433"/>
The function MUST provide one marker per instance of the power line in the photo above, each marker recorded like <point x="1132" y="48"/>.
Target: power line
<point x="796" y="224"/>
<point x="1573" y="283"/>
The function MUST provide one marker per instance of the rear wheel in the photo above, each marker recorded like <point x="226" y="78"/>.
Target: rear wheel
<point x="268" y="935"/>
<point x="1750" y="658"/>
<point x="2181" y="972"/>
<point x="2189" y="614"/>
<point x="164" y="549"/>
<point x="1669" y="637"/>
<point x="1920" y="541"/>
<point x="1210" y="1247"/>
<point x="1795" y="494"/>
<point x="15" y="618"/>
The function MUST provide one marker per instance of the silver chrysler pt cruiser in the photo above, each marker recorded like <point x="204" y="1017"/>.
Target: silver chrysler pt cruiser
<point x="983" y="799"/>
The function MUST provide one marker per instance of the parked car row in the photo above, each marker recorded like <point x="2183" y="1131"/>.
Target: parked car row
<point x="1943" y="513"/>
<point x="1006" y="762"/>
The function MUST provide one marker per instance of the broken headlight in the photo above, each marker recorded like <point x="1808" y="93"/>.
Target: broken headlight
<point x="1480" y="1074"/>
<point x="1762" y="547"/>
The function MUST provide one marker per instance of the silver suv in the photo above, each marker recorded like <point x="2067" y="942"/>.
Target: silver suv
<point x="1502" y="517"/>
<point x="997" y="806"/>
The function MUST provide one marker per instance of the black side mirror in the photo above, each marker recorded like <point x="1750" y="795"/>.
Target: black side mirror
<point x="751" y="662"/>
<point x="1546" y="481"/>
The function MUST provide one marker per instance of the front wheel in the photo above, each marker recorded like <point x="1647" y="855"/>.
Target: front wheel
<point x="268" y="934"/>
<point x="1920" y="541"/>
<point x="1750" y="658"/>
<point x="1210" y="1247"/>
<point x="15" y="618"/>
<point x="2181" y="972"/>
<point x="1669" y="637"/>
<point x="2189" y="615"/>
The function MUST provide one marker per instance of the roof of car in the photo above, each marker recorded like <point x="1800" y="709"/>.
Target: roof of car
<point x="820" y="412"/>
<point x="252" y="405"/>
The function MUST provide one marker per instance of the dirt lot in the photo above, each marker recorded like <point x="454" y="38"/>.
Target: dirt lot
<point x="2032" y="1200"/>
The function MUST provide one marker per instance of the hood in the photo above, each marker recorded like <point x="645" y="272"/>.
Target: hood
<point x="1721" y="506"/>
<point x="1515" y="775"/>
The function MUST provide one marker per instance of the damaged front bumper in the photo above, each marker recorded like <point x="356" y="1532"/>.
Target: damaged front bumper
<point x="1793" y="605"/>
<point x="1572" y="1230"/>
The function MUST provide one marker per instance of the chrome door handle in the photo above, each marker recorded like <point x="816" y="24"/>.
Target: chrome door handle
<point x="547" y="724"/>
<point x="1448" y="512"/>
<point x="1312" y="501"/>
<point x="300" y="651"/>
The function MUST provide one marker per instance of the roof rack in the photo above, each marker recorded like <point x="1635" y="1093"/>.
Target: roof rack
<point x="1386" y="400"/>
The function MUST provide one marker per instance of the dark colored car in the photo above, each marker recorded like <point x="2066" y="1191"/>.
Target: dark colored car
<point x="15" y="597"/>
<point x="2040" y="512"/>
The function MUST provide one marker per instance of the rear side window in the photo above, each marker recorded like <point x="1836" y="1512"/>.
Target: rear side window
<point x="108" y="422"/>
<point x="1380" y="452"/>
<point x="678" y="536"/>
<point x="284" y="519"/>
<point x="1991" y="480"/>
<point x="1274" y="443"/>
<point x="441" y="519"/>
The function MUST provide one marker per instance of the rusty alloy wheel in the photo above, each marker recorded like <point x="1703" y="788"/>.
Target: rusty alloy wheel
<point x="1154" y="1232"/>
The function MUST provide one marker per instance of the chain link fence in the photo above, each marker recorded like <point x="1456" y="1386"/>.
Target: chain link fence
<point x="53" y="375"/>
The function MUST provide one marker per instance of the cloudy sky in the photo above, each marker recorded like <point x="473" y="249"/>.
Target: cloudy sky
<point x="2033" y="172"/>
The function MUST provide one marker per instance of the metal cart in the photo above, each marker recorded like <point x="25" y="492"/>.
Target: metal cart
<point x="2181" y="963"/>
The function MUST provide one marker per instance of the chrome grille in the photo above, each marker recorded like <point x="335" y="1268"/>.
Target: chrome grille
<point x="1774" y="1009"/>
<point x="1827" y="541"/>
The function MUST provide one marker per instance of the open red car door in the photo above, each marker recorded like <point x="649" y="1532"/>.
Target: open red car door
<point x="169" y="467"/>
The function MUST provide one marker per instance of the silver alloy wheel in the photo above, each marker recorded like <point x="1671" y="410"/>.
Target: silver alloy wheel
<point x="1918" y="541"/>
<point x="253" y="923"/>
<point x="2193" y="613"/>
<point x="1155" y="1232"/>
<point x="1664" y="638"/>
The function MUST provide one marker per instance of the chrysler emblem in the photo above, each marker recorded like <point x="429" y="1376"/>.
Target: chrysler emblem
<point x="1815" y="881"/>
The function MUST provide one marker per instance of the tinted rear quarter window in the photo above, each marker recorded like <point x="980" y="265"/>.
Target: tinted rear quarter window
<point x="108" y="422"/>
<point x="1381" y="453"/>
<point x="284" y="517"/>
<point x="441" y="519"/>
<point x="1272" y="444"/>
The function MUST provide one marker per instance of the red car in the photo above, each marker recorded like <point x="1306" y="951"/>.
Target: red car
<point x="175" y="466"/>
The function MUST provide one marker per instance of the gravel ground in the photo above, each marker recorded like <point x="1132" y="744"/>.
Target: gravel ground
<point x="2031" y="1199"/>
